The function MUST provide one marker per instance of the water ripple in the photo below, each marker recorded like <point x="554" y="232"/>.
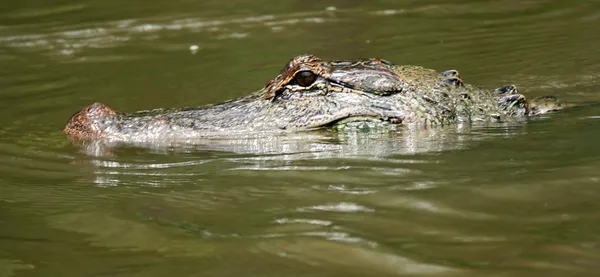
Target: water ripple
<point x="72" y="42"/>
<point x="339" y="207"/>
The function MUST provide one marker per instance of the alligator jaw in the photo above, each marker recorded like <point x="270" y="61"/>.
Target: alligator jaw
<point x="363" y="119"/>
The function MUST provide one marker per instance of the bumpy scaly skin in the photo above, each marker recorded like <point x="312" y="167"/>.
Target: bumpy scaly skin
<point x="333" y="91"/>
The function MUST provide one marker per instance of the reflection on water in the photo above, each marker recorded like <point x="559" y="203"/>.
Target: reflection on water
<point x="513" y="200"/>
<point x="371" y="143"/>
<point x="298" y="151"/>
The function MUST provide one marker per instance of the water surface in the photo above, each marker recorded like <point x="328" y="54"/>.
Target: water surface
<point x="519" y="200"/>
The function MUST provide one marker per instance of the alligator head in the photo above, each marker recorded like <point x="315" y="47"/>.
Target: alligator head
<point x="375" y="89"/>
<point x="312" y="93"/>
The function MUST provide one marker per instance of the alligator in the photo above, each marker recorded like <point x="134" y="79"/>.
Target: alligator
<point x="311" y="93"/>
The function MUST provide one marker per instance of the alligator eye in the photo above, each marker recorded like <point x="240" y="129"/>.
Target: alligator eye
<point x="305" y="78"/>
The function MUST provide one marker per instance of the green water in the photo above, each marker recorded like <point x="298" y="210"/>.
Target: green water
<point x="458" y="201"/>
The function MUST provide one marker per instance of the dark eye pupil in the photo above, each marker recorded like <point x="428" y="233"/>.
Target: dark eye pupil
<point x="305" y="78"/>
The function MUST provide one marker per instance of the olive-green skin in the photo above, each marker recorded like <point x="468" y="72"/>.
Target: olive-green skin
<point x="310" y="93"/>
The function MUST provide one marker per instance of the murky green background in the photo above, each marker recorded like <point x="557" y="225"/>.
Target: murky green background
<point x="504" y="201"/>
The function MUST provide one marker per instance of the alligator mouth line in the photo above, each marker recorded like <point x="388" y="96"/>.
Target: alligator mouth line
<point x="357" y="119"/>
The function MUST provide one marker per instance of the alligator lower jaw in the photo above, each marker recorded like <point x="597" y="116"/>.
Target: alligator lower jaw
<point x="363" y="120"/>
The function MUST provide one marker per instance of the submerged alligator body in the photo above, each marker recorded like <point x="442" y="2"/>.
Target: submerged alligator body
<point x="311" y="93"/>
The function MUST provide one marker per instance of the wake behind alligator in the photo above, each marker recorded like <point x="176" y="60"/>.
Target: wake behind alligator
<point x="311" y="93"/>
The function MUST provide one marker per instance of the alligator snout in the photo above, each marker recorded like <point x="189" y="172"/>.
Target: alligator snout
<point x="90" y="122"/>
